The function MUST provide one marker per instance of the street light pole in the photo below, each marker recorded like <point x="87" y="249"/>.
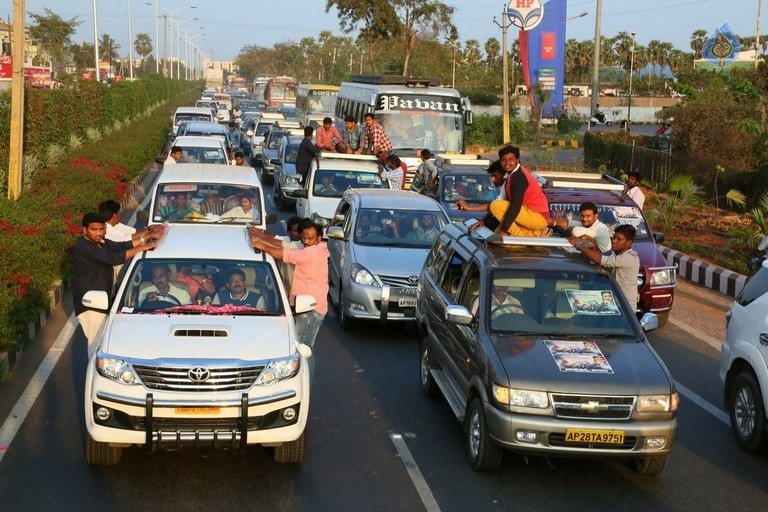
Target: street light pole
<point x="96" y="42"/>
<point x="757" y="37"/>
<point x="631" y="70"/>
<point x="157" y="35"/>
<point x="596" y="58"/>
<point x="130" y="42"/>
<point x="505" y="84"/>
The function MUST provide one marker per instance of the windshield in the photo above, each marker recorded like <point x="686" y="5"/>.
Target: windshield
<point x="397" y="228"/>
<point x="328" y="183"/>
<point x="248" y="104"/>
<point x="180" y="118"/>
<point x="206" y="202"/>
<point x="277" y="91"/>
<point x="200" y="155"/>
<point x="472" y="187"/>
<point x="291" y="152"/>
<point x="274" y="139"/>
<point x="609" y="215"/>
<point x="201" y="287"/>
<point x="321" y="102"/>
<point x="556" y="303"/>
<point x="195" y="133"/>
<point x="263" y="128"/>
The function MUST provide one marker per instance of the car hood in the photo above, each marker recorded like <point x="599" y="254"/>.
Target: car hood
<point x="246" y="338"/>
<point x="649" y="254"/>
<point x="636" y="369"/>
<point x="391" y="261"/>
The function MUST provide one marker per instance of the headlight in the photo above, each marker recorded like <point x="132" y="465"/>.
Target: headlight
<point x="280" y="369"/>
<point x="118" y="370"/>
<point x="663" y="277"/>
<point x="520" y="397"/>
<point x="657" y="403"/>
<point x="290" y="180"/>
<point x="317" y="219"/>
<point x="360" y="275"/>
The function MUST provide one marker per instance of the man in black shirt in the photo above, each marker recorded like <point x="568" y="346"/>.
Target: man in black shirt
<point x="92" y="260"/>
<point x="307" y="151"/>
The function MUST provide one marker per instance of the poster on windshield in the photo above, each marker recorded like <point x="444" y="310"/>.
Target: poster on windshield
<point x="592" y="302"/>
<point x="578" y="356"/>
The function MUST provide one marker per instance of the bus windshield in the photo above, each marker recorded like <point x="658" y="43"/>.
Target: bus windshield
<point x="321" y="102"/>
<point x="415" y="130"/>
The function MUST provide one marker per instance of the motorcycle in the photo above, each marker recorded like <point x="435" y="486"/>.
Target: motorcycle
<point x="598" y="119"/>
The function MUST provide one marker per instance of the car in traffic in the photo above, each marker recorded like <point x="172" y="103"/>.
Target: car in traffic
<point x="183" y="114"/>
<point x="378" y="243"/>
<point x="223" y="113"/>
<point x="198" y="150"/>
<point x="537" y="351"/>
<point x="203" y="129"/>
<point x="178" y="367"/>
<point x="208" y="194"/>
<point x="286" y="180"/>
<point x="744" y="363"/>
<point x="656" y="280"/>
<point x="271" y="151"/>
<point x="329" y="176"/>
<point x="255" y="136"/>
<point x="464" y="177"/>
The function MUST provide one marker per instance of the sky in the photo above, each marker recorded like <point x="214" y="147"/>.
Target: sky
<point x="224" y="31"/>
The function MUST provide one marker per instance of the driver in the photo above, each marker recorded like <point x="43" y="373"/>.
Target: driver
<point x="326" y="186"/>
<point x="503" y="303"/>
<point x="162" y="289"/>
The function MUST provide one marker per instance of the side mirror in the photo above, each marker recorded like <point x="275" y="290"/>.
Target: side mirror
<point x="159" y="160"/>
<point x="459" y="315"/>
<point x="142" y="216"/>
<point x="305" y="350"/>
<point x="335" y="232"/>
<point x="249" y="133"/>
<point x="659" y="238"/>
<point x="304" y="303"/>
<point x="271" y="218"/>
<point x="469" y="118"/>
<point x="302" y="193"/>
<point x="649" y="322"/>
<point x="96" y="299"/>
<point x="275" y="161"/>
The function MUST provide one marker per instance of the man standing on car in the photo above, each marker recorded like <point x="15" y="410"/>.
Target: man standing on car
<point x="92" y="260"/>
<point x="310" y="275"/>
<point x="307" y="152"/>
<point x="622" y="260"/>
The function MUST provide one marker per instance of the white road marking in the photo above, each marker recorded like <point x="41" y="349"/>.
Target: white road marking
<point x="20" y="411"/>
<point x="711" y="409"/>
<point x="430" y="504"/>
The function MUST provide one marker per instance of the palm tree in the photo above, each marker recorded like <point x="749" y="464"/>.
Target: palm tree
<point x="492" y="51"/>
<point x="622" y="45"/>
<point x="571" y="60"/>
<point x="143" y="46"/>
<point x="698" y="39"/>
<point x="586" y="49"/>
<point x="108" y="48"/>
<point x="471" y="54"/>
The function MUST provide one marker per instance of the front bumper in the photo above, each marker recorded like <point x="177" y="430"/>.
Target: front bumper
<point x="550" y="435"/>
<point x="656" y="298"/>
<point x="386" y="303"/>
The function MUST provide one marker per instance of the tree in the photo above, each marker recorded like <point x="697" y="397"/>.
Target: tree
<point x="143" y="46"/>
<point x="430" y="15"/>
<point x="53" y="34"/>
<point x="377" y="20"/>
<point x="698" y="39"/>
<point x="108" y="48"/>
<point x="492" y="51"/>
<point x="82" y="56"/>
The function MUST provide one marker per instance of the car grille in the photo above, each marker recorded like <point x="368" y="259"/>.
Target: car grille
<point x="559" y="441"/>
<point x="394" y="308"/>
<point x="396" y="281"/>
<point x="593" y="406"/>
<point x="178" y="379"/>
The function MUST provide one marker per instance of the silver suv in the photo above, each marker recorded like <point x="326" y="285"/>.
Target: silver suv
<point x="744" y="363"/>
<point x="378" y="243"/>
<point x="537" y="351"/>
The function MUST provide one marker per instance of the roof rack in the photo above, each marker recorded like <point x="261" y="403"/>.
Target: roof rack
<point x="442" y="159"/>
<point x="346" y="156"/>
<point x="485" y="235"/>
<point x="585" y="180"/>
<point x="396" y="80"/>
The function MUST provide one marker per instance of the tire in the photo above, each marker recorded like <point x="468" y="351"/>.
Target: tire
<point x="663" y="319"/>
<point x="101" y="454"/>
<point x="345" y="322"/>
<point x="428" y="384"/>
<point x="608" y="123"/>
<point x="483" y="454"/>
<point x="747" y="413"/>
<point x="651" y="466"/>
<point x="291" y="452"/>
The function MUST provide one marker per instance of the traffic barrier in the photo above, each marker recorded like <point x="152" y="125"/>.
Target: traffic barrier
<point x="705" y="274"/>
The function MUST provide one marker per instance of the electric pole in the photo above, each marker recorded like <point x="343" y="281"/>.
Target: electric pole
<point x="596" y="59"/>
<point x="505" y="84"/>
<point x="16" y="149"/>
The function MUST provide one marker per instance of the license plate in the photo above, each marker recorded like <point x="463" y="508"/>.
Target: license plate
<point x="406" y="302"/>
<point x="594" y="436"/>
<point x="197" y="410"/>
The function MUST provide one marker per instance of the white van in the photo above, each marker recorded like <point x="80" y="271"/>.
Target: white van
<point x="191" y="114"/>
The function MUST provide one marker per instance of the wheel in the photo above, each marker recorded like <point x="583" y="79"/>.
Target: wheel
<point x="428" y="384"/>
<point x="663" y="319"/>
<point x="608" y="123"/>
<point x="101" y="454"/>
<point x="651" y="465"/>
<point x="291" y="452"/>
<point x="483" y="454"/>
<point x="747" y="412"/>
<point x="344" y="320"/>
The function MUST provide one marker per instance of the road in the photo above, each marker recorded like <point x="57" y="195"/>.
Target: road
<point x="376" y="443"/>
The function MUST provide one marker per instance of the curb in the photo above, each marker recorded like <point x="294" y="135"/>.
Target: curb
<point x="572" y="144"/>
<point x="705" y="274"/>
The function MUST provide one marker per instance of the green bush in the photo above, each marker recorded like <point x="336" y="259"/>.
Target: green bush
<point x="487" y="130"/>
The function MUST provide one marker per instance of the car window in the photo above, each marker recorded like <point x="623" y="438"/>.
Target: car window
<point x="206" y="202"/>
<point x="397" y="228"/>
<point x="468" y="187"/>
<point x="291" y="153"/>
<point x="470" y="288"/>
<point x="556" y="303"/>
<point x="201" y="287"/>
<point x="436" y="258"/>
<point x="452" y="275"/>
<point x="755" y="287"/>
<point x="331" y="183"/>
<point x="202" y="155"/>
<point x="610" y="215"/>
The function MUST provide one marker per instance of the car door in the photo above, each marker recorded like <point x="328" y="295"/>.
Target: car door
<point x="339" y="249"/>
<point x="466" y="348"/>
<point x="749" y="315"/>
<point x="303" y="206"/>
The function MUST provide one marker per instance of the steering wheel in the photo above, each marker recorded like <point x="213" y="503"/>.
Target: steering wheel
<point x="161" y="297"/>
<point x="502" y="307"/>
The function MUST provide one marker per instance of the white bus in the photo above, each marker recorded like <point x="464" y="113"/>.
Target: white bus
<point x="416" y="113"/>
<point x="315" y="102"/>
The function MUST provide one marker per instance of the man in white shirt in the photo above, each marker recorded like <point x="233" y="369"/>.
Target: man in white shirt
<point x="162" y="286"/>
<point x="633" y="190"/>
<point x="244" y="212"/>
<point x="116" y="231"/>
<point x="591" y="229"/>
<point x="174" y="156"/>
